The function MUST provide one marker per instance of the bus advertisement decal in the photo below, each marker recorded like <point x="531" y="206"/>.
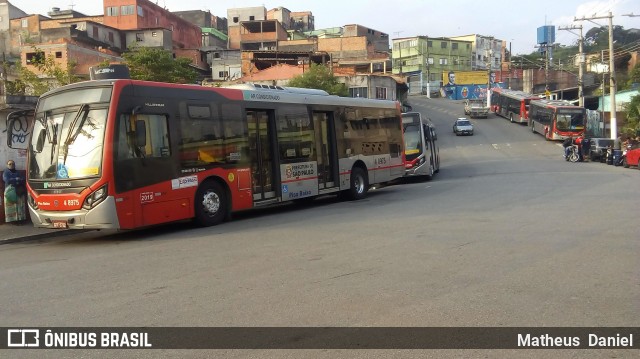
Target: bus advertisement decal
<point x="297" y="171"/>
<point x="299" y="180"/>
<point x="184" y="182"/>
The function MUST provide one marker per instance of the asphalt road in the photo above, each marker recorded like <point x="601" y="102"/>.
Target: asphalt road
<point x="507" y="234"/>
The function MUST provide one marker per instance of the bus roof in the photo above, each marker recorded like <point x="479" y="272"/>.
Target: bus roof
<point x="521" y="95"/>
<point x="553" y="103"/>
<point x="249" y="92"/>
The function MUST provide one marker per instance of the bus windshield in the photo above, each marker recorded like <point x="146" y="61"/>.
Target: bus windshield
<point x="67" y="144"/>
<point x="412" y="141"/>
<point x="570" y="119"/>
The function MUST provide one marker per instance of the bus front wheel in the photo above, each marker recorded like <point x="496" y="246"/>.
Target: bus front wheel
<point x="359" y="184"/>
<point x="210" y="204"/>
<point x="429" y="176"/>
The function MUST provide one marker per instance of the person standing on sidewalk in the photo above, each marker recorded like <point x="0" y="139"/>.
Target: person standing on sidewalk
<point x="14" y="195"/>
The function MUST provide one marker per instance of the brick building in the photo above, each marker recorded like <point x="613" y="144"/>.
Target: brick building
<point x="144" y="14"/>
<point x="79" y="40"/>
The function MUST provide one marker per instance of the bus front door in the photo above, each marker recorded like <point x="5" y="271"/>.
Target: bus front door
<point x="327" y="162"/>
<point x="261" y="139"/>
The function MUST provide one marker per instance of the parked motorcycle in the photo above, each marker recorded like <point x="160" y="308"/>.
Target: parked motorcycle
<point x="573" y="154"/>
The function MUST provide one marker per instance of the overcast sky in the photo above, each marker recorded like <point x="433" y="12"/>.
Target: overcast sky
<point x="515" y="21"/>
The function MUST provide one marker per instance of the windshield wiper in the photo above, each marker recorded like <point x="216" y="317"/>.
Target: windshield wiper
<point x="71" y="136"/>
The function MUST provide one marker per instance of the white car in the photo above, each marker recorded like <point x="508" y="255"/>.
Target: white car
<point x="463" y="126"/>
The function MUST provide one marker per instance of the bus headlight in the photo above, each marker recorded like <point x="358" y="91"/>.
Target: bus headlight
<point x="96" y="197"/>
<point x="31" y="201"/>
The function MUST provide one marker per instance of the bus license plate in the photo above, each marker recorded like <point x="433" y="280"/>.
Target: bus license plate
<point x="59" y="224"/>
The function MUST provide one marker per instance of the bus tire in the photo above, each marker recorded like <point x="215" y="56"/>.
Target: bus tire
<point x="211" y="206"/>
<point x="359" y="184"/>
<point x="511" y="118"/>
<point x="429" y="176"/>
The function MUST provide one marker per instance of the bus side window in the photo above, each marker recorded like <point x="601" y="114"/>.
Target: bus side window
<point x="236" y="136"/>
<point x="296" y="135"/>
<point x="201" y="135"/>
<point x="124" y="141"/>
<point x="157" y="144"/>
<point x="157" y="136"/>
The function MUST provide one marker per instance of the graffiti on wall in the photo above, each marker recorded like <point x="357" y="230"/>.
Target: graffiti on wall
<point x="18" y="129"/>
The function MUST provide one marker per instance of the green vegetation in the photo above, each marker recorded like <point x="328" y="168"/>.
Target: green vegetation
<point x="154" y="64"/>
<point x="632" y="109"/>
<point x="320" y="77"/>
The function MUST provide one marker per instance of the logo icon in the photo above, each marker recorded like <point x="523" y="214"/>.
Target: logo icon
<point x="23" y="338"/>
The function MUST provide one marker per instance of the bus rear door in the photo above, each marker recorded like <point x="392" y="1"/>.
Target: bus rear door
<point x="261" y="127"/>
<point x="327" y="162"/>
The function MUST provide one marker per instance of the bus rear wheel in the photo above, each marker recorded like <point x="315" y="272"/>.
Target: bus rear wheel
<point x="359" y="184"/>
<point x="211" y="204"/>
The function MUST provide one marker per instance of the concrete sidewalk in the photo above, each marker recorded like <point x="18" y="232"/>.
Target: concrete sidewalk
<point x="11" y="233"/>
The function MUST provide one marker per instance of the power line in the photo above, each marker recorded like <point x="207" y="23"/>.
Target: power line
<point x="622" y="52"/>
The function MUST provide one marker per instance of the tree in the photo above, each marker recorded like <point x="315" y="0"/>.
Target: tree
<point x="153" y="64"/>
<point x="632" y="109"/>
<point x="634" y="75"/>
<point x="320" y="77"/>
<point x="55" y="75"/>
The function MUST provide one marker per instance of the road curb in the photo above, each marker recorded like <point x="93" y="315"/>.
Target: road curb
<point x="40" y="236"/>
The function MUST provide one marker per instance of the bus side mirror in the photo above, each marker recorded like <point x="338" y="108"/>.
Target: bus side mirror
<point x="141" y="133"/>
<point x="42" y="136"/>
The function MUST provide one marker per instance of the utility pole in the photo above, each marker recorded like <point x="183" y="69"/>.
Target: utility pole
<point x="612" y="74"/>
<point x="545" y="49"/>
<point x="580" y="63"/>
<point x="604" y="127"/>
<point x="546" y="70"/>
<point x="489" y="61"/>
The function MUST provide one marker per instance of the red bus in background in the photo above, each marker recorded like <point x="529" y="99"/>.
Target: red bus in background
<point x="125" y="154"/>
<point x="511" y="104"/>
<point x="556" y="119"/>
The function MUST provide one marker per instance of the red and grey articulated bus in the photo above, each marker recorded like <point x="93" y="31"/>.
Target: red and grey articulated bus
<point x="556" y="119"/>
<point x="125" y="154"/>
<point x="511" y="104"/>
